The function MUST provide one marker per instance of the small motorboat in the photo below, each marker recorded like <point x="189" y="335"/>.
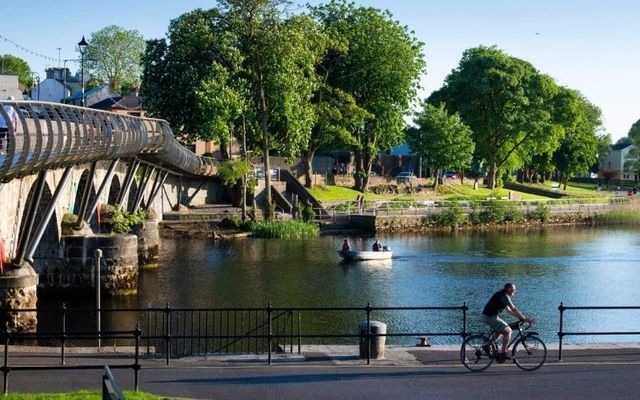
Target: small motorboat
<point x="365" y="255"/>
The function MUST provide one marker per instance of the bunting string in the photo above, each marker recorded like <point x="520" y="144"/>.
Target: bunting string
<point x="34" y="53"/>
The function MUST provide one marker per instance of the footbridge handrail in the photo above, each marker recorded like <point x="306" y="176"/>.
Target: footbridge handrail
<point x="53" y="135"/>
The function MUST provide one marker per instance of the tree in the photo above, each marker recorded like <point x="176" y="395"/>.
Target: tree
<point x="14" y="65"/>
<point x="504" y="101"/>
<point x="337" y="115"/>
<point x="380" y="69"/>
<point x="113" y="55"/>
<point x="280" y="55"/>
<point x="603" y="144"/>
<point x="634" y="131"/>
<point x="578" y="148"/>
<point x="193" y="80"/>
<point x="441" y="139"/>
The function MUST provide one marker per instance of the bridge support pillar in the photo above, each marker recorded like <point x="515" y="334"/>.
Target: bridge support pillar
<point x="148" y="241"/>
<point x="18" y="290"/>
<point x="118" y="269"/>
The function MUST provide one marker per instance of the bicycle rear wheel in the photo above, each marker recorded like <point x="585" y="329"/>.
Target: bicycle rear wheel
<point x="472" y="355"/>
<point x="529" y="353"/>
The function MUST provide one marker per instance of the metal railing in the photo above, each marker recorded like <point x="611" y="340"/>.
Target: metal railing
<point x="52" y="135"/>
<point x="427" y="208"/>
<point x="62" y="337"/>
<point x="176" y="332"/>
<point x="561" y="333"/>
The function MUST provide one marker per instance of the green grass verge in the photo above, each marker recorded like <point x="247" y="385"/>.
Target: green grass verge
<point x="80" y="395"/>
<point x="456" y="191"/>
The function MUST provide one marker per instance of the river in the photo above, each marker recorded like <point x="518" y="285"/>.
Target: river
<point x="579" y="266"/>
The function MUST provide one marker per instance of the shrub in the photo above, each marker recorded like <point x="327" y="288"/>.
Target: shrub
<point x="541" y="213"/>
<point x="123" y="222"/>
<point x="492" y="212"/>
<point x="308" y="215"/>
<point x="452" y="215"/>
<point x="512" y="212"/>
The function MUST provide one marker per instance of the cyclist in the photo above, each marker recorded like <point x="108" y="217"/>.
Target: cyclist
<point x="491" y="316"/>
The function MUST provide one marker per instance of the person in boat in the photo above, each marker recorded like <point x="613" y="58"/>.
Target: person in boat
<point x="377" y="246"/>
<point x="345" y="245"/>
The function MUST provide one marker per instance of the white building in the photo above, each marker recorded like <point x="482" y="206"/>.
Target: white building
<point x="58" y="85"/>
<point x="9" y="86"/>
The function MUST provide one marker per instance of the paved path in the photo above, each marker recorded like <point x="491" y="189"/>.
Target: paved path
<point x="335" y="372"/>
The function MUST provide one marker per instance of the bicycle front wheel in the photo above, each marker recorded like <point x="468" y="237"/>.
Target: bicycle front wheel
<point x="473" y="356"/>
<point x="529" y="353"/>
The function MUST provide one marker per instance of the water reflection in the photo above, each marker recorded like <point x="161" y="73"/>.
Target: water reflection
<point x="575" y="265"/>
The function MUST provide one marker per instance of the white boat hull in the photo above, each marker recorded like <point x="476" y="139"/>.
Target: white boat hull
<point x="365" y="255"/>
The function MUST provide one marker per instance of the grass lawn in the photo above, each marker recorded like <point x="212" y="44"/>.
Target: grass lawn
<point x="450" y="191"/>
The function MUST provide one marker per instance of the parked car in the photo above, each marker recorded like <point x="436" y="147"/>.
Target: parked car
<point x="405" y="176"/>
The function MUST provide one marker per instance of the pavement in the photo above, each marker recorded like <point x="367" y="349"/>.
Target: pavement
<point x="329" y="372"/>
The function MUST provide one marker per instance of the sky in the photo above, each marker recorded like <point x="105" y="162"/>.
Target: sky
<point x="589" y="45"/>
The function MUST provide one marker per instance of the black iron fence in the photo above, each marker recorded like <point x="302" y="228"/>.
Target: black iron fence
<point x="177" y="332"/>
<point x="561" y="333"/>
<point x="63" y="337"/>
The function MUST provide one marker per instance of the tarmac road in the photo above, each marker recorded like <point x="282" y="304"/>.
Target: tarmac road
<point x="612" y="373"/>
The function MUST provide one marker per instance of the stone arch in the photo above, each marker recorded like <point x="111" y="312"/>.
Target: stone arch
<point x="78" y="198"/>
<point x="131" y="197"/>
<point x="46" y="253"/>
<point x="114" y="189"/>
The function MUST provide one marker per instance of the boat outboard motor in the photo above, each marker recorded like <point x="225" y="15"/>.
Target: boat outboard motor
<point x="386" y="248"/>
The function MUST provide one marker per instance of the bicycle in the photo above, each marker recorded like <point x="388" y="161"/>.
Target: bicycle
<point x="529" y="351"/>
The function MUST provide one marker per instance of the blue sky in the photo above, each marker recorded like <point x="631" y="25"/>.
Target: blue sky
<point x="588" y="45"/>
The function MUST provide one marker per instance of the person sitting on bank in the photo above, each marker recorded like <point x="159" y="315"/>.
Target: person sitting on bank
<point x="377" y="246"/>
<point x="345" y="245"/>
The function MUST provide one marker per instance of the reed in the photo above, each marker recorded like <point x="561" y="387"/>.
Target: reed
<point x="628" y="214"/>
<point x="293" y="229"/>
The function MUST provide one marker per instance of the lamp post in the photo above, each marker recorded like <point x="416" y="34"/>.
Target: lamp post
<point x="82" y="47"/>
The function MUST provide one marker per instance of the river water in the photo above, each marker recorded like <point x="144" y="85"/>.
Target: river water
<point x="579" y="266"/>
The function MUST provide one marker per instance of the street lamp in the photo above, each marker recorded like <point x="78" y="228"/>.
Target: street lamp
<point x="82" y="47"/>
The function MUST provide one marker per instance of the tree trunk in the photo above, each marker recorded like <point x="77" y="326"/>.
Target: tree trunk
<point x="265" y="144"/>
<point x="308" y="168"/>
<point x="491" y="175"/>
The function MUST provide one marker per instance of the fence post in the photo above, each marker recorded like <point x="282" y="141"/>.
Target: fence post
<point x="561" y="307"/>
<point x="64" y="333"/>
<point x="368" y="333"/>
<point x="270" y="333"/>
<point x="136" y="365"/>
<point x="167" y="334"/>
<point x="464" y="320"/>
<point x="299" y="338"/>
<point x="5" y="366"/>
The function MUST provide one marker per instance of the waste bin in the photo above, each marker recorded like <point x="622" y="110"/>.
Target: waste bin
<point x="377" y="342"/>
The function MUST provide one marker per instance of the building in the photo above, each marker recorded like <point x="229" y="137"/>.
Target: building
<point x="58" y="85"/>
<point x="91" y="96"/>
<point x="9" y="86"/>
<point x="129" y="105"/>
<point x="615" y="163"/>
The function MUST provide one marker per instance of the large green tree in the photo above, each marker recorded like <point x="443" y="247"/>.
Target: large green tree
<point x="192" y="78"/>
<point x="440" y="139"/>
<point x="504" y="100"/>
<point x="380" y="69"/>
<point x="578" y="148"/>
<point x="280" y="56"/>
<point x="15" y="65"/>
<point x="113" y="56"/>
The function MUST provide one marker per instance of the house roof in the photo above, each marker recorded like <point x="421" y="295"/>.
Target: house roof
<point x="78" y="95"/>
<point x="120" y="102"/>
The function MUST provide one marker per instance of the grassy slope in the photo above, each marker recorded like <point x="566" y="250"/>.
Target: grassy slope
<point x="453" y="190"/>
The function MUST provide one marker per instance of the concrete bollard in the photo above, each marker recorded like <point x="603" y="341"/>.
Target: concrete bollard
<point x="377" y="342"/>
